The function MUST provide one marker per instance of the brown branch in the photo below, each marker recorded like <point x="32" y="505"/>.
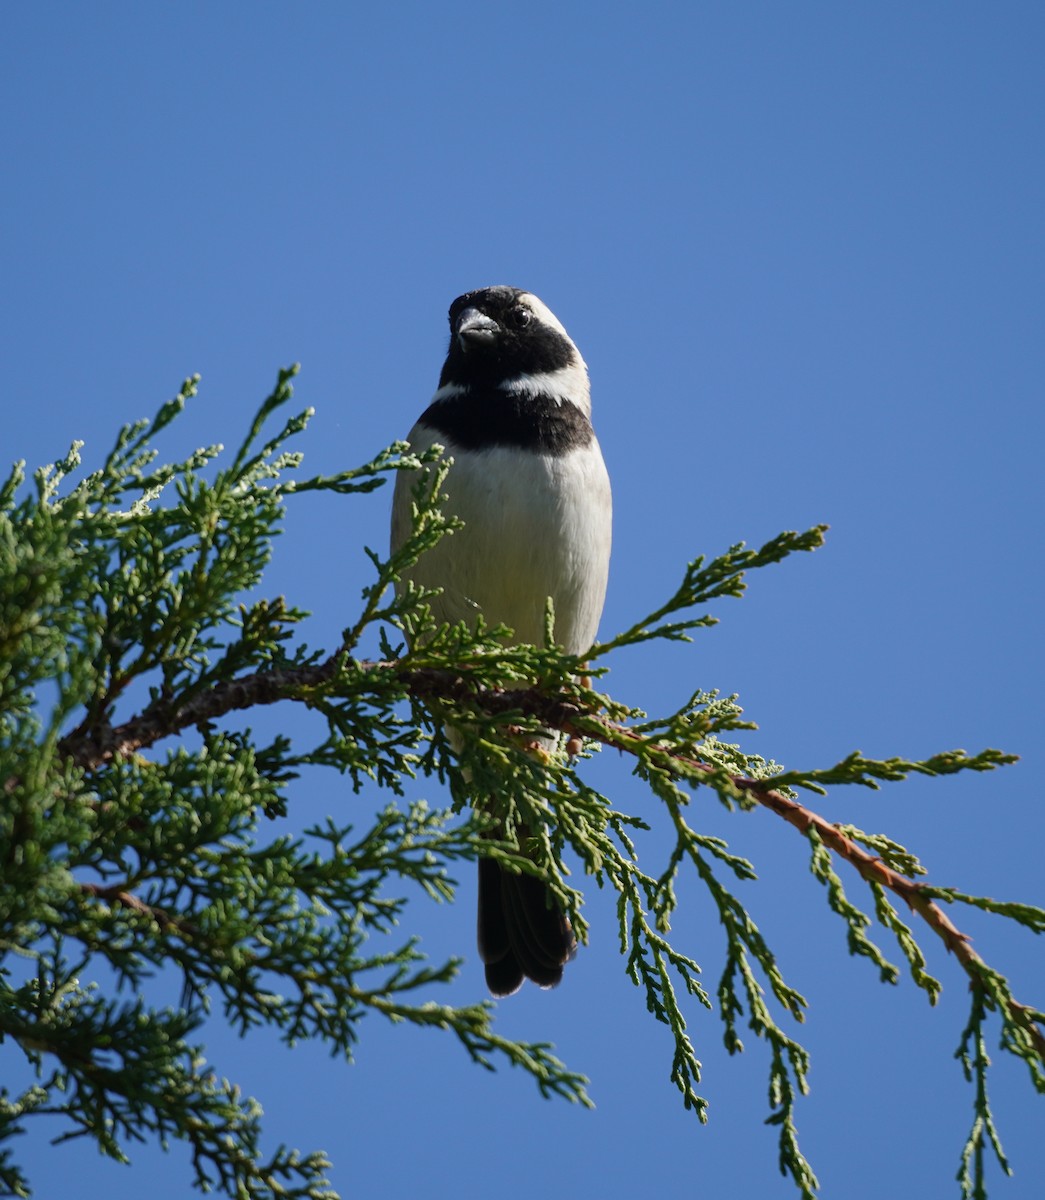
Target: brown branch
<point x="94" y="748"/>
<point x="119" y="895"/>
<point x="576" y="721"/>
<point x="871" y="868"/>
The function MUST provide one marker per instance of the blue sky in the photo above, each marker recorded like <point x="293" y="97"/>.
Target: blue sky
<point x="801" y="248"/>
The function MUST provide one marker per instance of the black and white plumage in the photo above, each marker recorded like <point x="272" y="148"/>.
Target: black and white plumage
<point x="513" y="410"/>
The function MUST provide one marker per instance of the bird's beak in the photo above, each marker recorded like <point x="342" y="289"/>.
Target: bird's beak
<point x="475" y="328"/>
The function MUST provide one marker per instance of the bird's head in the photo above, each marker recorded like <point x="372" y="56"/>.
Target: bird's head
<point x="502" y="336"/>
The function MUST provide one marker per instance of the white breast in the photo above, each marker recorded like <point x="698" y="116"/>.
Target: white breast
<point x="535" y="525"/>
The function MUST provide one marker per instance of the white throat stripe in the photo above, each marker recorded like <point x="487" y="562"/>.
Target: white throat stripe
<point x="567" y="383"/>
<point x="448" y="391"/>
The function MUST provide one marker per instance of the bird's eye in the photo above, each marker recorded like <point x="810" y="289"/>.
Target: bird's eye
<point x="519" y="317"/>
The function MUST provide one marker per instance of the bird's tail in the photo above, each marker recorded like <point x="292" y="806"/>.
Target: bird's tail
<point x="523" y="932"/>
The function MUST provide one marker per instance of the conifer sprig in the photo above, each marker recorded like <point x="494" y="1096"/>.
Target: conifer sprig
<point x="143" y="827"/>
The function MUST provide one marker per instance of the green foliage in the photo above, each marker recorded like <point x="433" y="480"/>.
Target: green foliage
<point x="129" y="617"/>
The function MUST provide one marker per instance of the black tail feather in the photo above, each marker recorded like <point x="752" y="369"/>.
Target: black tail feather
<point x="523" y="933"/>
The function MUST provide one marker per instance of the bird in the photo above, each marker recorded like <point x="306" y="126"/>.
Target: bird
<point x="513" y="412"/>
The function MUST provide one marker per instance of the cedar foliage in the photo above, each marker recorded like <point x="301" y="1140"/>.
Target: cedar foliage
<point x="141" y="826"/>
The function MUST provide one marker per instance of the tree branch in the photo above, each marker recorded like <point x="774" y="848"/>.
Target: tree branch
<point x="118" y="894"/>
<point x="92" y="749"/>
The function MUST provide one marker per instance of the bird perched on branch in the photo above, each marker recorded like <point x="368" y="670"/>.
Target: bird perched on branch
<point x="513" y="410"/>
